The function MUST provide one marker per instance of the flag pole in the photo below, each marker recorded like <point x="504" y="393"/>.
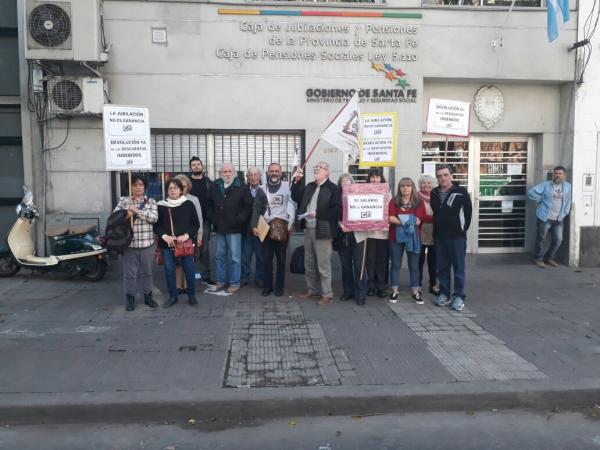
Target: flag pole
<point x="130" y="195"/>
<point x="446" y="150"/>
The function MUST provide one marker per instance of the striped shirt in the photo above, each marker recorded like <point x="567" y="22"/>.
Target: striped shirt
<point x="143" y="236"/>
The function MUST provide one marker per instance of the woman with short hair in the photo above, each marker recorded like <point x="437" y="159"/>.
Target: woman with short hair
<point x="426" y="183"/>
<point x="177" y="221"/>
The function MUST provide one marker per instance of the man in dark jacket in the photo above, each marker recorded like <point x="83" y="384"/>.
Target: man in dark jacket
<point x="452" y="211"/>
<point x="319" y="209"/>
<point x="229" y="209"/>
<point x="200" y="187"/>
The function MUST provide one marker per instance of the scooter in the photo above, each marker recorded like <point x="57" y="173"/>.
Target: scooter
<point x="73" y="249"/>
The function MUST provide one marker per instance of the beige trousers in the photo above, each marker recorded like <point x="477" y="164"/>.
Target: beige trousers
<point x="317" y="263"/>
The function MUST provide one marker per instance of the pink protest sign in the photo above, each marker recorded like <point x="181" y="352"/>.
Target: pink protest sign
<point x="365" y="206"/>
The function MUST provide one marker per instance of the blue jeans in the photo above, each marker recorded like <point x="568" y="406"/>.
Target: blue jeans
<point x="251" y="245"/>
<point x="187" y="262"/>
<point x="450" y="255"/>
<point x="396" y="252"/>
<point x="229" y="246"/>
<point x="556" y="229"/>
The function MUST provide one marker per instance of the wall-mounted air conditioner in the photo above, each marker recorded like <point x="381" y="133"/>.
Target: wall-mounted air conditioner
<point x="75" y="96"/>
<point x="65" y="30"/>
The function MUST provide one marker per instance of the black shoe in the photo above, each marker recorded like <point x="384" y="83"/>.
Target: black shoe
<point x="371" y="292"/>
<point x="170" y="302"/>
<point x="149" y="301"/>
<point x="346" y="297"/>
<point x="192" y="301"/>
<point x="266" y="292"/>
<point x="417" y="298"/>
<point x="259" y="284"/>
<point x="130" y="305"/>
<point x="382" y="294"/>
<point x="360" y="301"/>
<point x="208" y="281"/>
<point x="278" y="292"/>
<point x="180" y="291"/>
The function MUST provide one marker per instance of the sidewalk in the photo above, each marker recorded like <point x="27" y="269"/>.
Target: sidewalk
<point x="528" y="337"/>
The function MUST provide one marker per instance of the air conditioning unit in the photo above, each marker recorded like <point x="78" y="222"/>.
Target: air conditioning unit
<point x="65" y="30"/>
<point x="75" y="96"/>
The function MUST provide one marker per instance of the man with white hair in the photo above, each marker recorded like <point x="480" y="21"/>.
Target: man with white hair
<point x="251" y="244"/>
<point x="319" y="207"/>
<point x="229" y="209"/>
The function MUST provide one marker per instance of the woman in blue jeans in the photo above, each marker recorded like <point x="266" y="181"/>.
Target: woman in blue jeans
<point x="177" y="221"/>
<point x="404" y="212"/>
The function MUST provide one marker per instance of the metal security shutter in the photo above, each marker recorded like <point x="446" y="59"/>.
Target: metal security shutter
<point x="248" y="149"/>
<point x="171" y="151"/>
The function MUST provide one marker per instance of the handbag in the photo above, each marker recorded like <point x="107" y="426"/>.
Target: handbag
<point x="181" y="249"/>
<point x="278" y="228"/>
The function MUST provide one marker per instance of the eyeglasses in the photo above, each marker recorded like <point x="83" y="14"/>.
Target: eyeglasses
<point x="316" y="168"/>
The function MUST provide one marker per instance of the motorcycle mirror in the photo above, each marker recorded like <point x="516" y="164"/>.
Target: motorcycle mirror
<point x="27" y="196"/>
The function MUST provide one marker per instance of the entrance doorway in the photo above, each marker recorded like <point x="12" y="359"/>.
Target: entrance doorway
<point x="495" y="170"/>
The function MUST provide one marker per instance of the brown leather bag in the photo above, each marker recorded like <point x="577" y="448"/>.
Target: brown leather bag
<point x="278" y="230"/>
<point x="185" y="248"/>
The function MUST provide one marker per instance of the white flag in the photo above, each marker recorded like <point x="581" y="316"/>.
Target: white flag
<point x="344" y="131"/>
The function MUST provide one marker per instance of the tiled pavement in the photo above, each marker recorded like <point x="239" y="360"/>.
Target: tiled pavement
<point x="520" y="323"/>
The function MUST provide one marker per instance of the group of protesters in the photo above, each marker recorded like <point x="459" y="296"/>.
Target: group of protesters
<point x="252" y="221"/>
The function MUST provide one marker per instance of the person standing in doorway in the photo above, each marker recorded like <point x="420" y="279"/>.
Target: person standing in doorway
<point x="452" y="212"/>
<point x="200" y="188"/>
<point x="553" y="200"/>
<point x="251" y="245"/>
<point x="320" y="208"/>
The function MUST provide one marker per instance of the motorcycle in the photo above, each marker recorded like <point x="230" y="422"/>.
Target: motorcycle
<point x="73" y="249"/>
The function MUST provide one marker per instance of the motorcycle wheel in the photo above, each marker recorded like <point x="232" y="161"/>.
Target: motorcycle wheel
<point x="97" y="273"/>
<point x="8" y="266"/>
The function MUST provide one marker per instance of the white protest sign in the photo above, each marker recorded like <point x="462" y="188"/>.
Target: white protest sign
<point x="127" y="138"/>
<point x="365" y="207"/>
<point x="378" y="140"/>
<point x="448" y="117"/>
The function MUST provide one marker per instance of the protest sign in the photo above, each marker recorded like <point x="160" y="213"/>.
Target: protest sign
<point x="365" y="206"/>
<point x="127" y="138"/>
<point x="378" y="140"/>
<point x="448" y="117"/>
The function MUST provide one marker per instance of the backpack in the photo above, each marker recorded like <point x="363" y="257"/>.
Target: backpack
<point x="297" y="261"/>
<point x="119" y="233"/>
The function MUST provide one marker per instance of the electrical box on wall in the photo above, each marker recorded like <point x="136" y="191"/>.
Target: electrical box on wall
<point x="65" y="30"/>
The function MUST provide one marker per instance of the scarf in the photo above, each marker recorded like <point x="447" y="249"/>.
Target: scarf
<point x="170" y="203"/>
<point x="222" y="186"/>
<point x="273" y="187"/>
<point x="425" y="197"/>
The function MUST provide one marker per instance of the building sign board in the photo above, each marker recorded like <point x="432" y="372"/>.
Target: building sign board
<point x="127" y="138"/>
<point x="365" y="206"/>
<point x="448" y="117"/>
<point x="378" y="140"/>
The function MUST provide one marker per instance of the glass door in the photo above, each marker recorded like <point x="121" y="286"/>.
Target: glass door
<point x="500" y="205"/>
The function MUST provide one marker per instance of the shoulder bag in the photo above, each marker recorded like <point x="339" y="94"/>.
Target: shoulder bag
<point x="181" y="249"/>
<point x="278" y="228"/>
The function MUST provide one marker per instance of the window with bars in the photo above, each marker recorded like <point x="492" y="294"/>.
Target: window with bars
<point x="172" y="150"/>
<point x="456" y="156"/>
<point x="484" y="3"/>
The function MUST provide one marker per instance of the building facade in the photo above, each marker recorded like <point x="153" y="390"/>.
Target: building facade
<point x="255" y="82"/>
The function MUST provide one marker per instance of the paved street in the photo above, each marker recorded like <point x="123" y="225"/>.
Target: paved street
<point x="527" y="337"/>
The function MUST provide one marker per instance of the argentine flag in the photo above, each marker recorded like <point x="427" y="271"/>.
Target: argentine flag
<point x="556" y="9"/>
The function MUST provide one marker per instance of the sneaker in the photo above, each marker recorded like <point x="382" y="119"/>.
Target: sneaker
<point x="540" y="263"/>
<point x="394" y="297"/>
<point x="457" y="304"/>
<point x="232" y="289"/>
<point x="552" y="263"/>
<point x="209" y="281"/>
<point x="417" y="298"/>
<point x="442" y="300"/>
<point x="215" y="287"/>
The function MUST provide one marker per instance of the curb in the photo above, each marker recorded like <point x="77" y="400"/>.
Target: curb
<point x="268" y="403"/>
